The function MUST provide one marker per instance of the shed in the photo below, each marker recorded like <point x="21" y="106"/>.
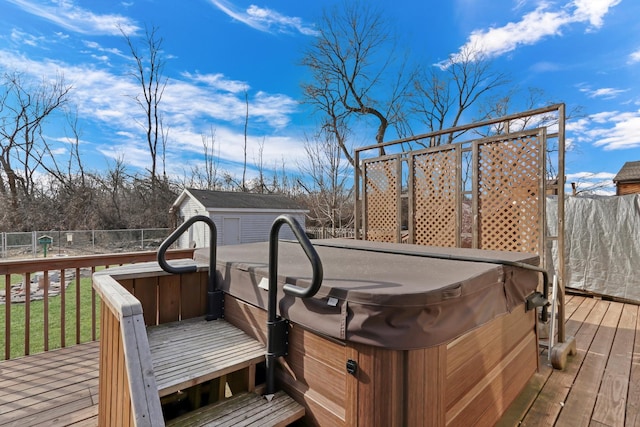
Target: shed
<point x="239" y="217"/>
<point x="627" y="181"/>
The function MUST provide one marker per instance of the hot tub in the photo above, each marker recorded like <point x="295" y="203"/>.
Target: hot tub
<point x="397" y="335"/>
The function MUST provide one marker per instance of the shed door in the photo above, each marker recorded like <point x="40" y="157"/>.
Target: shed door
<point x="230" y="231"/>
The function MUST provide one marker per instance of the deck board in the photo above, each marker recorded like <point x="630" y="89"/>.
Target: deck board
<point x="583" y="325"/>
<point x="578" y="408"/>
<point x="599" y="387"/>
<point x="633" y="400"/>
<point x="204" y="350"/>
<point x="56" y="388"/>
<point x="612" y="396"/>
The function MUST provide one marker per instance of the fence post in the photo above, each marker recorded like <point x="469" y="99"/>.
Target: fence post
<point x="142" y="239"/>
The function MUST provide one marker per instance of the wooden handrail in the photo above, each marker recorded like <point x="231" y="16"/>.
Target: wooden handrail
<point x="57" y="263"/>
<point x="27" y="267"/>
<point x="125" y="361"/>
<point x="134" y="297"/>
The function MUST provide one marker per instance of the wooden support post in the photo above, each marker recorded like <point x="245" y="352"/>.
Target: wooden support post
<point x="560" y="351"/>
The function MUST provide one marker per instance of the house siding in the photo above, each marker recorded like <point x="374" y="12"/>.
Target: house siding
<point x="255" y="227"/>
<point x="624" y="188"/>
<point x="199" y="233"/>
<point x="260" y="227"/>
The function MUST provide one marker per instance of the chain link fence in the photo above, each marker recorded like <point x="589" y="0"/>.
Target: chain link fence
<point x="72" y="243"/>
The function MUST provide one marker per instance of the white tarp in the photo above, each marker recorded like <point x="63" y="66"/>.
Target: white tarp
<point x="602" y="244"/>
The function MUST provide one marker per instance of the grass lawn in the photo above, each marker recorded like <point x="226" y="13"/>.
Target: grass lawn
<point x="36" y="336"/>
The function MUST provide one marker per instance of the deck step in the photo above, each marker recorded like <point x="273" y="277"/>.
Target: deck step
<point x="190" y="352"/>
<point x="244" y="409"/>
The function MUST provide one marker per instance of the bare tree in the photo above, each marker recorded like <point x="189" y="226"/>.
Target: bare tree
<point x="515" y="100"/>
<point x="445" y="92"/>
<point x="591" y="185"/>
<point x="68" y="191"/>
<point x="165" y="139"/>
<point x="355" y="72"/>
<point x="261" y="186"/>
<point x="113" y="187"/>
<point x="148" y="72"/>
<point x="49" y="160"/>
<point x="23" y="112"/>
<point x="246" y="129"/>
<point x="207" y="175"/>
<point x="211" y="159"/>
<point x="325" y="180"/>
<point x="510" y="102"/>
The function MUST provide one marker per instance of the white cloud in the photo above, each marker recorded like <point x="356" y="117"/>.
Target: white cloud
<point x="590" y="176"/>
<point x="229" y="143"/>
<point x="605" y="92"/>
<point x="21" y="37"/>
<point x="218" y="81"/>
<point x="634" y="57"/>
<point x="533" y="27"/>
<point x="274" y="108"/>
<point x="110" y="50"/>
<point x="544" y="21"/>
<point x="264" y="19"/>
<point x="594" y="183"/>
<point x="577" y="125"/>
<point x="130" y="153"/>
<point x="191" y="106"/>
<point x="593" y="10"/>
<point x="190" y="103"/>
<point x="228" y="147"/>
<point x="59" y="151"/>
<point x="611" y="130"/>
<point x="74" y="18"/>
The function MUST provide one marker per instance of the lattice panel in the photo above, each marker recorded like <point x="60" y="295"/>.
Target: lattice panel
<point x="509" y="202"/>
<point x="382" y="198"/>
<point x="435" y="197"/>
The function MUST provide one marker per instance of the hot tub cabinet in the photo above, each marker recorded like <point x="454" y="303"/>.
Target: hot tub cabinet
<point x="394" y="337"/>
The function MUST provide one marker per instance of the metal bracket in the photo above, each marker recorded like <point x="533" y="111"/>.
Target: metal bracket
<point x="215" y="305"/>
<point x="278" y="338"/>
<point x="352" y="366"/>
<point x="536" y="299"/>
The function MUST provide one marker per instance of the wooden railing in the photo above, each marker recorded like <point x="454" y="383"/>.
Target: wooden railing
<point x="37" y="323"/>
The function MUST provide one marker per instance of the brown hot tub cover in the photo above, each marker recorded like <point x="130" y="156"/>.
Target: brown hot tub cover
<point x="389" y="300"/>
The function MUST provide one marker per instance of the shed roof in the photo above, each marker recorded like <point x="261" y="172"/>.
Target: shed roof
<point x="630" y="172"/>
<point x="241" y="200"/>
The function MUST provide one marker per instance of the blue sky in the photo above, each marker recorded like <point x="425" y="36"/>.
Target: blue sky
<point x="584" y="52"/>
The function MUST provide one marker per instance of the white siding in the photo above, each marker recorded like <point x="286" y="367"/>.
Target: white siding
<point x="256" y="226"/>
<point x="199" y="232"/>
<point x="217" y="219"/>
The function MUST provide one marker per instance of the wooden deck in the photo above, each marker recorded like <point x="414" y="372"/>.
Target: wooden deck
<point x="601" y="384"/>
<point x="600" y="387"/>
<point x="56" y="388"/>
